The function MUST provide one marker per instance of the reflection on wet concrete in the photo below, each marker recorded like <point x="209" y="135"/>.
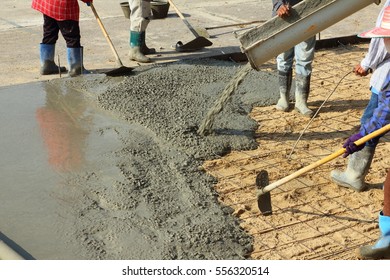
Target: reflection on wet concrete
<point x="48" y="133"/>
<point x="64" y="127"/>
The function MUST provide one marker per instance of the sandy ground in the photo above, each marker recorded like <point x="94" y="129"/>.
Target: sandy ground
<point x="312" y="217"/>
<point x="151" y="195"/>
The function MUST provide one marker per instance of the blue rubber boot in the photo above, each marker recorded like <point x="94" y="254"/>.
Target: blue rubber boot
<point x="48" y="66"/>
<point x="75" y="62"/>
<point x="136" y="42"/>
<point x="381" y="249"/>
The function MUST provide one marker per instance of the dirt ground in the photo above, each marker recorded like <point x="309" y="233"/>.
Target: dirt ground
<point x="312" y="217"/>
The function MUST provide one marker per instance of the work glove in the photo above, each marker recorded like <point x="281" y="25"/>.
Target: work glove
<point x="350" y="146"/>
<point x="88" y="2"/>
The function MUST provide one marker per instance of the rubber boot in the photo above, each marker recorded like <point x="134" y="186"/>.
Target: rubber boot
<point x="144" y="48"/>
<point x="302" y="89"/>
<point x="357" y="169"/>
<point x="75" y="62"/>
<point x="381" y="249"/>
<point x="135" y="48"/>
<point x="48" y="66"/>
<point x="285" y="80"/>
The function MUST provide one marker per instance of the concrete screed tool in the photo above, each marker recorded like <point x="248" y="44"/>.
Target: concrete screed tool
<point x="121" y="70"/>
<point x="198" y="43"/>
<point x="263" y="186"/>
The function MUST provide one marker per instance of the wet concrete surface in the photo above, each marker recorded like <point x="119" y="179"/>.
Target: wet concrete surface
<point x="48" y="134"/>
<point x="109" y="168"/>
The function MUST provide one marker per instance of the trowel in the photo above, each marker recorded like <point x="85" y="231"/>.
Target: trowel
<point x="263" y="188"/>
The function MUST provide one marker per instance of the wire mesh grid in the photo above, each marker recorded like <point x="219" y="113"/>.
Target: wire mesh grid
<point x="312" y="217"/>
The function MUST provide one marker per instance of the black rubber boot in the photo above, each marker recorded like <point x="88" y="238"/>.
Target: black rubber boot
<point x="144" y="49"/>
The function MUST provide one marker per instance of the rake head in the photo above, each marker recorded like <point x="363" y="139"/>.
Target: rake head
<point x="263" y="199"/>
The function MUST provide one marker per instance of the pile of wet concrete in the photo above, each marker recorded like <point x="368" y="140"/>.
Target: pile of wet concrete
<point x="149" y="198"/>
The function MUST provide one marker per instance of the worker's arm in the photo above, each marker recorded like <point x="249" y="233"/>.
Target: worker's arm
<point x="276" y="5"/>
<point x="381" y="115"/>
<point x="380" y="118"/>
<point x="376" y="54"/>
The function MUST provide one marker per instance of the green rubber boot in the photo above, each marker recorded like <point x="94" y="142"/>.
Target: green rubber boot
<point x="135" y="52"/>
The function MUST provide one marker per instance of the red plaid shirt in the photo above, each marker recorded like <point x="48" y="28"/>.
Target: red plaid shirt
<point x="58" y="9"/>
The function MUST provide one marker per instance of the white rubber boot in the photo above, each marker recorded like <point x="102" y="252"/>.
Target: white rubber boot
<point x="357" y="169"/>
<point x="285" y="80"/>
<point x="302" y="89"/>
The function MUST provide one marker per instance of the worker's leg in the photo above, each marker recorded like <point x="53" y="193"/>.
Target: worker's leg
<point x="381" y="249"/>
<point x="47" y="47"/>
<point x="369" y="110"/>
<point x="386" y="194"/>
<point x="304" y="55"/>
<point x="360" y="162"/>
<point x="70" y="30"/>
<point x="139" y="20"/>
<point x="284" y="65"/>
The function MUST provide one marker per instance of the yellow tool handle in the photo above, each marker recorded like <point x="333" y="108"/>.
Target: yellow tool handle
<point x="303" y="170"/>
<point x="105" y="34"/>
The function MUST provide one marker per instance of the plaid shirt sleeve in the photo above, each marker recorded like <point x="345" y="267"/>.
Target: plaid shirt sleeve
<point x="58" y="9"/>
<point x="381" y="116"/>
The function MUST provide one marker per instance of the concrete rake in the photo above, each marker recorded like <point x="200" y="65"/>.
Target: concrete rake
<point x="262" y="182"/>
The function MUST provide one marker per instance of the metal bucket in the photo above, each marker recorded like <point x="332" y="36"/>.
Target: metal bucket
<point x="159" y="9"/>
<point x="126" y="9"/>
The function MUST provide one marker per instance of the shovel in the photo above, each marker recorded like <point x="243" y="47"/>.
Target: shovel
<point x="263" y="189"/>
<point x="122" y="70"/>
<point x="198" y="43"/>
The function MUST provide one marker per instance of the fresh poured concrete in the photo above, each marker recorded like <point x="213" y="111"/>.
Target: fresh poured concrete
<point x="109" y="168"/>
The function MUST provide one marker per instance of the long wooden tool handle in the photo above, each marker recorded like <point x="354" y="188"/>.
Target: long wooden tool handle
<point x="235" y="24"/>
<point x="301" y="171"/>
<point x="105" y="34"/>
<point x="183" y="18"/>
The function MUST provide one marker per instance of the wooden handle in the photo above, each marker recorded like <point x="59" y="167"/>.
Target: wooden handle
<point x="105" y="34"/>
<point x="303" y="170"/>
<point x="183" y="18"/>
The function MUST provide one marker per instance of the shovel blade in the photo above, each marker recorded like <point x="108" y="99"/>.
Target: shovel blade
<point x="263" y="200"/>
<point x="121" y="71"/>
<point x="194" y="45"/>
